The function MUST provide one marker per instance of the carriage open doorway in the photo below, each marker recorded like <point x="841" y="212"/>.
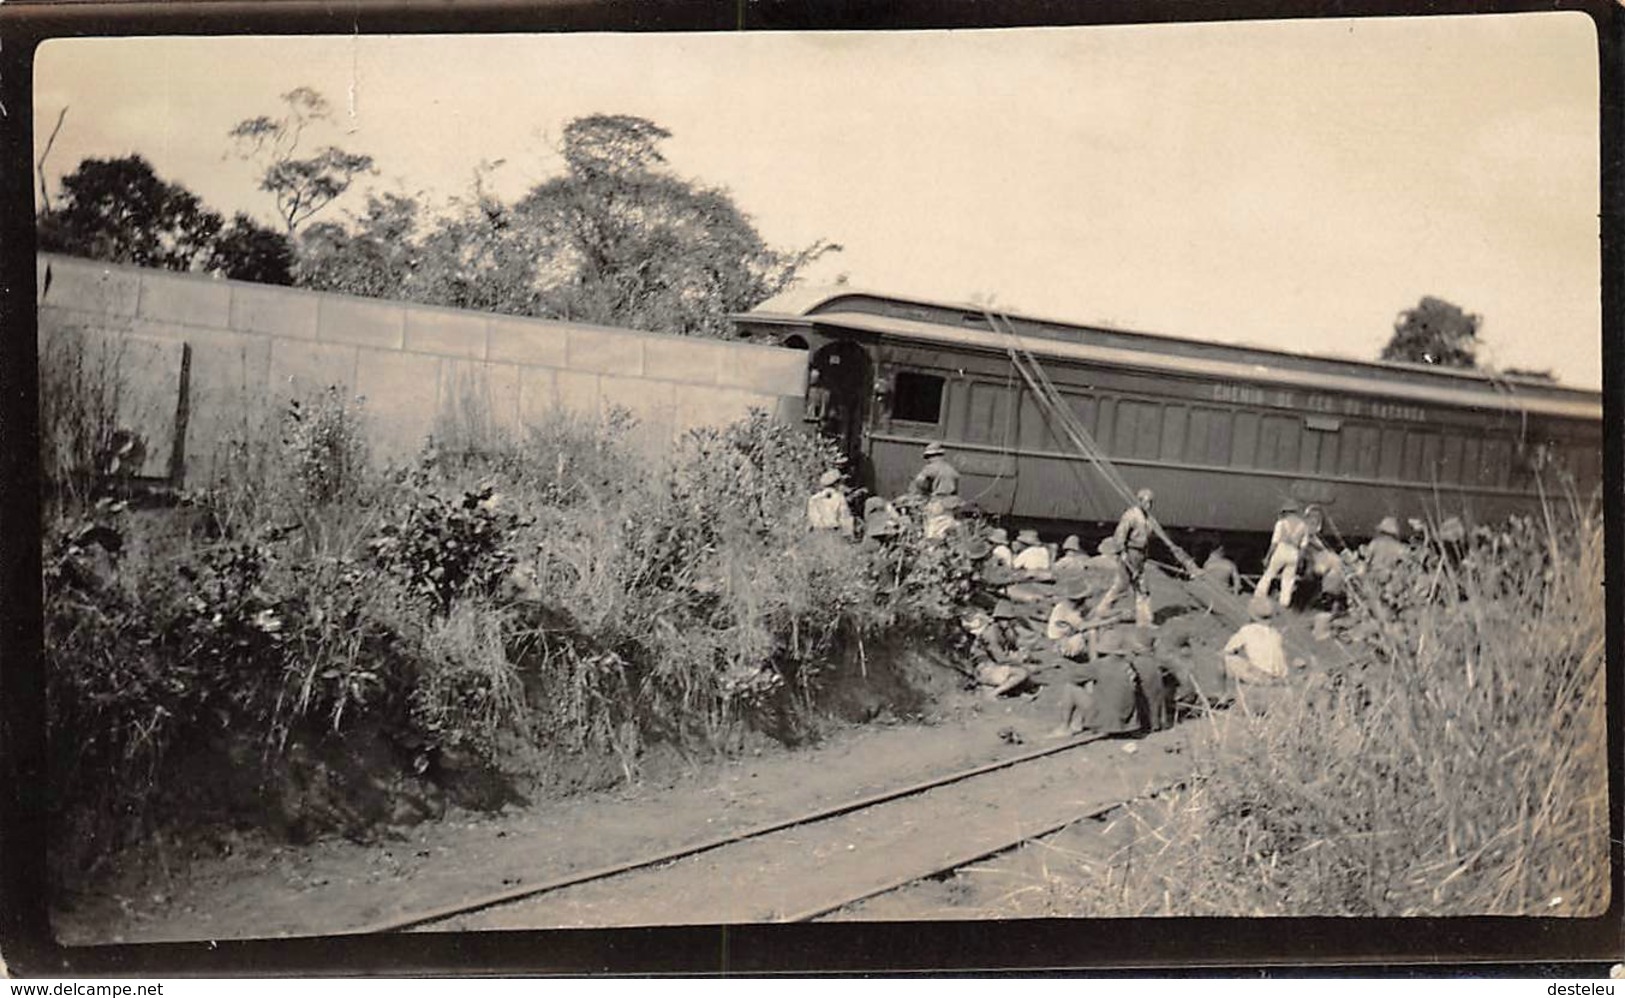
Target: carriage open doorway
<point x="837" y="397"/>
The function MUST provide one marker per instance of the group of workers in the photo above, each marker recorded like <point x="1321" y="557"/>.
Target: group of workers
<point x="1038" y="625"/>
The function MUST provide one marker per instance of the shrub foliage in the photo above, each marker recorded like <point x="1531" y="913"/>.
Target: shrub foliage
<point x="499" y="602"/>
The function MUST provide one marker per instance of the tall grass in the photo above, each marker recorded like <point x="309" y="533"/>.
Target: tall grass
<point x="687" y="598"/>
<point x="526" y="603"/>
<point x="505" y="601"/>
<point x="229" y="612"/>
<point x="1459" y="767"/>
<point x="82" y="401"/>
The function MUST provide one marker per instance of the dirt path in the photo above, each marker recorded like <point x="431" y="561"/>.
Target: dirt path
<point x="802" y="871"/>
<point x="334" y="886"/>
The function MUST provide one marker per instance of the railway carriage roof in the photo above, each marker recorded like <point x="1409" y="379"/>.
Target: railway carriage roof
<point x="934" y="323"/>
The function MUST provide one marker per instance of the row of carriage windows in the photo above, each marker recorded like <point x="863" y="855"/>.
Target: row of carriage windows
<point x="1204" y="435"/>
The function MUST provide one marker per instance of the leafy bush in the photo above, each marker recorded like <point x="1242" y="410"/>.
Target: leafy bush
<point x="682" y="587"/>
<point x="305" y="468"/>
<point x="113" y="702"/>
<point x="325" y="442"/>
<point x="504" y="600"/>
<point x="925" y="584"/>
<point x="445" y="548"/>
<point x="341" y="641"/>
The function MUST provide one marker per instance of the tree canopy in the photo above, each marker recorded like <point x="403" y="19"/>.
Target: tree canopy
<point x="376" y="256"/>
<point x="636" y="245"/>
<point x="302" y="186"/>
<point x="245" y="250"/>
<point x="121" y="211"/>
<point x="1435" y="332"/>
<point x="616" y="238"/>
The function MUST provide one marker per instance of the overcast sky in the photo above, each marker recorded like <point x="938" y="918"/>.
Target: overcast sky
<point x="1286" y="184"/>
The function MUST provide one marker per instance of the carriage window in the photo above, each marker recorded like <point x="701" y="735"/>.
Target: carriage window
<point x="1450" y="460"/>
<point x="1471" y="468"/>
<point x="990" y="419"/>
<point x="1245" y="440"/>
<point x="1422" y="457"/>
<point x="917" y="398"/>
<point x="1173" y="432"/>
<point x="1432" y="456"/>
<point x="1105" y="420"/>
<point x="1278" y="443"/>
<point x="1412" y="469"/>
<point x="1320" y="452"/>
<point x="1036" y="430"/>
<point x="1320" y="443"/>
<point x="1084" y="407"/>
<point x="1586" y="464"/>
<point x="1209" y="439"/>
<point x="1359" y="454"/>
<point x="1495" y="462"/>
<point x="1527" y="457"/>
<point x="1139" y="429"/>
<point x="1393" y="453"/>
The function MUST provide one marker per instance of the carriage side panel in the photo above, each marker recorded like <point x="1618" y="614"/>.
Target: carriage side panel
<point x="1222" y="456"/>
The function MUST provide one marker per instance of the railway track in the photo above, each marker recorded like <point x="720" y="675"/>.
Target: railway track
<point x="845" y="905"/>
<point x="812" y="865"/>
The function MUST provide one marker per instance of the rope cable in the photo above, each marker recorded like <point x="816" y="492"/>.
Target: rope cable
<point x="1050" y="401"/>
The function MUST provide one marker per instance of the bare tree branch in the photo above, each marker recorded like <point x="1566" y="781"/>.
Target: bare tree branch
<point x="44" y="195"/>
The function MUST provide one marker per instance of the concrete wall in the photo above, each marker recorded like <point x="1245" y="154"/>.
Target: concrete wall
<point x="251" y="348"/>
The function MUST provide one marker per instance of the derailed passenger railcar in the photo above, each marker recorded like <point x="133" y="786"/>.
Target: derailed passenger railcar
<point x="1223" y="433"/>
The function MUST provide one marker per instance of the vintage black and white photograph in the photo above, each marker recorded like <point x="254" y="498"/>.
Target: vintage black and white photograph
<point x="538" y="481"/>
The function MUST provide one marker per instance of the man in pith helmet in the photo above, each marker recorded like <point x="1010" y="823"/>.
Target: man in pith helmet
<point x="1000" y="664"/>
<point x="1325" y="565"/>
<point x="1001" y="554"/>
<point x="976" y="548"/>
<point x="1101" y="694"/>
<point x="1030" y="554"/>
<point x="1221" y="571"/>
<point x="817" y="399"/>
<point x="828" y="509"/>
<point x="1286" y="550"/>
<point x="938" y="478"/>
<point x="1071" y="566"/>
<point x="1132" y="537"/>
<point x="938" y="484"/>
<point x="881" y="522"/>
<point x="1386" y="551"/>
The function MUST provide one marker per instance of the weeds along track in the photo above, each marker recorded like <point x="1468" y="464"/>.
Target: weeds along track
<point x="807" y="866"/>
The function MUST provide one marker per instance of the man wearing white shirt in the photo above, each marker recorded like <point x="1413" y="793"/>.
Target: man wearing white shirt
<point x="1030" y="554"/>
<point x="1256" y="653"/>
<point x="1286" y="550"/>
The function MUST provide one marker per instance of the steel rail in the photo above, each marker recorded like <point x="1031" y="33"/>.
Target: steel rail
<point x="965" y="859"/>
<point x="511" y="895"/>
